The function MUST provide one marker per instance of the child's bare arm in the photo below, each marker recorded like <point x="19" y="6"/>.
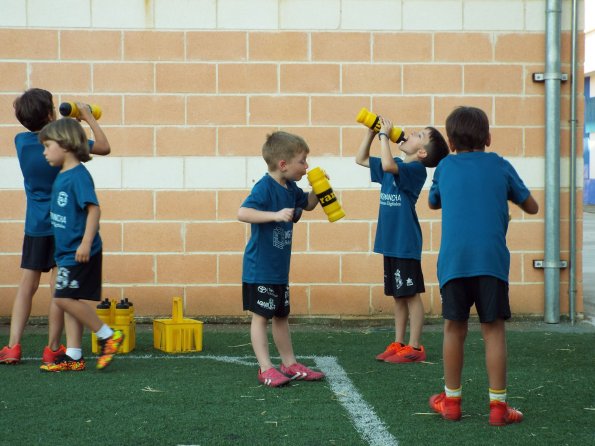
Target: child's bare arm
<point x="312" y="201"/>
<point x="530" y="206"/>
<point x="251" y="215"/>
<point x="388" y="163"/>
<point x="363" y="153"/>
<point x="101" y="145"/>
<point x="83" y="252"/>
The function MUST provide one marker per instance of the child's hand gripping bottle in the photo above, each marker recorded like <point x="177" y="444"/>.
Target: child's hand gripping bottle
<point x="372" y="121"/>
<point x="71" y="110"/>
<point x="323" y="190"/>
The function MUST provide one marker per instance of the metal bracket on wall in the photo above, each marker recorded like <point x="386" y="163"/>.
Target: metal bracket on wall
<point x="540" y="264"/>
<point x="541" y="77"/>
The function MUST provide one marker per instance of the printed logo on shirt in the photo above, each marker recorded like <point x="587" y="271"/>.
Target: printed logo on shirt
<point x="62" y="199"/>
<point x="281" y="237"/>
<point x="58" y="221"/>
<point x="390" y="199"/>
<point x="398" y="280"/>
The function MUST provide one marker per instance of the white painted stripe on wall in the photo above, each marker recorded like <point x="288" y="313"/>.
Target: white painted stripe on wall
<point x="197" y="173"/>
<point x="390" y="15"/>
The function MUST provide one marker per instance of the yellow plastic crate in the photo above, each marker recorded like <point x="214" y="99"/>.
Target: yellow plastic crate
<point x="177" y="334"/>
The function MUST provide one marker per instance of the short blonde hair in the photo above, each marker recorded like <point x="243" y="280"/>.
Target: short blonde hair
<point x="282" y="146"/>
<point x="69" y="135"/>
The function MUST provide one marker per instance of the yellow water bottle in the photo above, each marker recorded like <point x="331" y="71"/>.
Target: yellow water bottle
<point x="323" y="190"/>
<point x="372" y="121"/>
<point x="103" y="311"/>
<point x="71" y="110"/>
<point x="122" y="313"/>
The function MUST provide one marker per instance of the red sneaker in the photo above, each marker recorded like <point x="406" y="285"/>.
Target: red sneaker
<point x="10" y="355"/>
<point x="408" y="354"/>
<point x="391" y="350"/>
<point x="273" y="378"/>
<point x="502" y="414"/>
<point x="449" y="408"/>
<point x="300" y="371"/>
<point x="50" y="356"/>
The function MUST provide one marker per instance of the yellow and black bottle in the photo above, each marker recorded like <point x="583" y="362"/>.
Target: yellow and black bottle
<point x="372" y="121"/>
<point x="103" y="311"/>
<point x="323" y="190"/>
<point x="71" y="110"/>
<point x="122" y="313"/>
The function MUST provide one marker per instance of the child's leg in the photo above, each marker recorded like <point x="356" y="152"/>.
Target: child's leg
<point x="21" y="308"/>
<point x="260" y="341"/>
<point x="453" y="349"/>
<point x="282" y="338"/>
<point x="74" y="331"/>
<point x="401" y="311"/>
<point x="81" y="312"/>
<point x="494" y="336"/>
<point x="55" y="316"/>
<point x="416" y="319"/>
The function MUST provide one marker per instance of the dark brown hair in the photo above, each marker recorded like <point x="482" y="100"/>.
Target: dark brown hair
<point x="468" y="128"/>
<point x="34" y="108"/>
<point x="69" y="135"/>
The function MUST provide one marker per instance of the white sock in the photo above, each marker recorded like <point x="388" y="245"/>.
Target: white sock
<point x="75" y="353"/>
<point x="497" y="395"/>
<point x="453" y="393"/>
<point x="104" y="332"/>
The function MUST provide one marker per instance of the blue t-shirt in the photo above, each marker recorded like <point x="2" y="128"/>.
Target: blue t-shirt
<point x="398" y="233"/>
<point x="38" y="179"/>
<point x="268" y="252"/>
<point x="473" y="189"/>
<point x="73" y="190"/>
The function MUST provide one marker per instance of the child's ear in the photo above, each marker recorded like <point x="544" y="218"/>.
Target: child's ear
<point x="489" y="140"/>
<point x="451" y="146"/>
<point x="282" y="165"/>
<point x="421" y="154"/>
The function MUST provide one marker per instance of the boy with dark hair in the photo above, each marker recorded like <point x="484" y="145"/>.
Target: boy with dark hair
<point x="398" y="235"/>
<point x="473" y="189"/>
<point x="34" y="109"/>
<point x="270" y="209"/>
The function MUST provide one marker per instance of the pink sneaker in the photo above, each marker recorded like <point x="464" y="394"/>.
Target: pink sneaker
<point x="408" y="354"/>
<point x="272" y="378"/>
<point x="392" y="349"/>
<point x="50" y="356"/>
<point x="300" y="371"/>
<point x="10" y="355"/>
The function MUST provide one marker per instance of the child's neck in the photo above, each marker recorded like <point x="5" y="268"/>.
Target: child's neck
<point x="278" y="177"/>
<point x="70" y="162"/>
<point x="410" y="158"/>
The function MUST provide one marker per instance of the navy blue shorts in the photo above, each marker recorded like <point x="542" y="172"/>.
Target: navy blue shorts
<point x="80" y="281"/>
<point x="402" y="277"/>
<point x="266" y="300"/>
<point x="488" y="293"/>
<point x="38" y="253"/>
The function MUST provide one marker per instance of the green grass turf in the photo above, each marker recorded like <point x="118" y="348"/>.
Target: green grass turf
<point x="182" y="400"/>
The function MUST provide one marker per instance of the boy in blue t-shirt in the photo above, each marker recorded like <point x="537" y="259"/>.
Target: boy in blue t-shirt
<point x="398" y="234"/>
<point x="74" y="214"/>
<point x="473" y="189"/>
<point x="34" y="109"/>
<point x="272" y="207"/>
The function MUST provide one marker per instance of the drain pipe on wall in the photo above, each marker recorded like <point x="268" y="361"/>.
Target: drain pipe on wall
<point x="572" y="185"/>
<point x="552" y="78"/>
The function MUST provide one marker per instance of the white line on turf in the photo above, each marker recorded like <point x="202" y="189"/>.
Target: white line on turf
<point x="366" y="422"/>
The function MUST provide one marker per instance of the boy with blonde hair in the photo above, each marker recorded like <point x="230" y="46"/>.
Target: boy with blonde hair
<point x="272" y="207"/>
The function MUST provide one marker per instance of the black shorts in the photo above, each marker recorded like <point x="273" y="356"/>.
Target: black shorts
<point x="38" y="253"/>
<point x="266" y="300"/>
<point x="488" y="293"/>
<point x="402" y="277"/>
<point x="80" y="281"/>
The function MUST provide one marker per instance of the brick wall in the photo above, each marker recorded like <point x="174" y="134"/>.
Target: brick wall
<point x="189" y="89"/>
